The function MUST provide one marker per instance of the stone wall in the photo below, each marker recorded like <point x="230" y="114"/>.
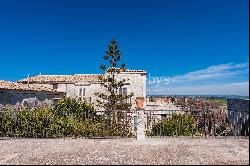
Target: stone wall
<point x="238" y="114"/>
<point x="239" y="105"/>
<point x="14" y="97"/>
<point x="136" y="84"/>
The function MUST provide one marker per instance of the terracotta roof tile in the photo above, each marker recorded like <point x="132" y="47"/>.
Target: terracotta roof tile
<point x="6" y="85"/>
<point x="70" y="78"/>
<point x="135" y="71"/>
<point x="62" y="78"/>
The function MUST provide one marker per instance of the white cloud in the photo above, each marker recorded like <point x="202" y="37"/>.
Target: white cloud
<point x="239" y="88"/>
<point x="222" y="79"/>
<point x="213" y="72"/>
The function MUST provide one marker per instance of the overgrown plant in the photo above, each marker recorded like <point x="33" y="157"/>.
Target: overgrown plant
<point x="70" y="118"/>
<point x="79" y="109"/>
<point x="177" y="125"/>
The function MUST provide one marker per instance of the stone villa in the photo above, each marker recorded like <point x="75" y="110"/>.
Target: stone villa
<point x="84" y="86"/>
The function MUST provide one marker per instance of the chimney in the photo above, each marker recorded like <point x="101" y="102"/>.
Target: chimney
<point x="139" y="103"/>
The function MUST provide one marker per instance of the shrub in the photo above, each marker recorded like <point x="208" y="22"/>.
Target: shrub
<point x="38" y="122"/>
<point x="70" y="106"/>
<point x="6" y="124"/>
<point x="178" y="124"/>
<point x="70" y="118"/>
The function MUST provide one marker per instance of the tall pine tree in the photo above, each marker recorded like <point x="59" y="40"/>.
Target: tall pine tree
<point x="111" y="99"/>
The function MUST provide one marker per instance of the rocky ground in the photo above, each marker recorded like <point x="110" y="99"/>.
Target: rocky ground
<point x="125" y="151"/>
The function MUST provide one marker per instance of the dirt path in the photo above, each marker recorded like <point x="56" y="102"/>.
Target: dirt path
<point x="125" y="151"/>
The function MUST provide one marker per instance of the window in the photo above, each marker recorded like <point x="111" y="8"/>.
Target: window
<point x="108" y="78"/>
<point x="55" y="86"/>
<point x="135" y="123"/>
<point x="123" y="92"/>
<point x="81" y="92"/>
<point x="163" y="116"/>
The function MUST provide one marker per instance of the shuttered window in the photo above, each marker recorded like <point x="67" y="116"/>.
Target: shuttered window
<point x="123" y="92"/>
<point x="81" y="92"/>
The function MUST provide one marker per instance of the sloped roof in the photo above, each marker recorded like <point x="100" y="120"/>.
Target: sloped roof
<point x="6" y="85"/>
<point x="135" y="71"/>
<point x="129" y="71"/>
<point x="62" y="78"/>
<point x="71" y="78"/>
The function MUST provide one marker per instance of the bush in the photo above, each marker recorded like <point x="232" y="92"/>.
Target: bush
<point x="38" y="122"/>
<point x="70" y="106"/>
<point x="178" y="124"/>
<point x="70" y="118"/>
<point x="6" y="124"/>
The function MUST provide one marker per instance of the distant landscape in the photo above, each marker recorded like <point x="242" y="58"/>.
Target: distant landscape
<point x="205" y="96"/>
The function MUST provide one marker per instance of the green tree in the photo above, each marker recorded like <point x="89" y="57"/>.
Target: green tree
<point x="111" y="99"/>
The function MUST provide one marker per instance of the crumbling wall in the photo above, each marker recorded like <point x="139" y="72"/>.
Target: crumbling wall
<point x="27" y="98"/>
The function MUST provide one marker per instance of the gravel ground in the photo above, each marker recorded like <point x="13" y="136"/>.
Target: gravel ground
<point x="124" y="151"/>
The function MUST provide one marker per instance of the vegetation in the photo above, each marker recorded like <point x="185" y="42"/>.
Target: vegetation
<point x="221" y="102"/>
<point x="70" y="106"/>
<point x="112" y="98"/>
<point x="69" y="118"/>
<point x="178" y="124"/>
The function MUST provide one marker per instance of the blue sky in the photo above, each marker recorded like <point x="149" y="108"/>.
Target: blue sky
<point x="201" y="46"/>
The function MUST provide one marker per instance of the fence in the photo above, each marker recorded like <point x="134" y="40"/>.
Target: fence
<point x="202" y="123"/>
<point x="44" y="123"/>
<point x="48" y="124"/>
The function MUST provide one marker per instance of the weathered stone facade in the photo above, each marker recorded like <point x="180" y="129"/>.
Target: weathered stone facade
<point x="12" y="93"/>
<point x="29" y="98"/>
<point x="86" y="85"/>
